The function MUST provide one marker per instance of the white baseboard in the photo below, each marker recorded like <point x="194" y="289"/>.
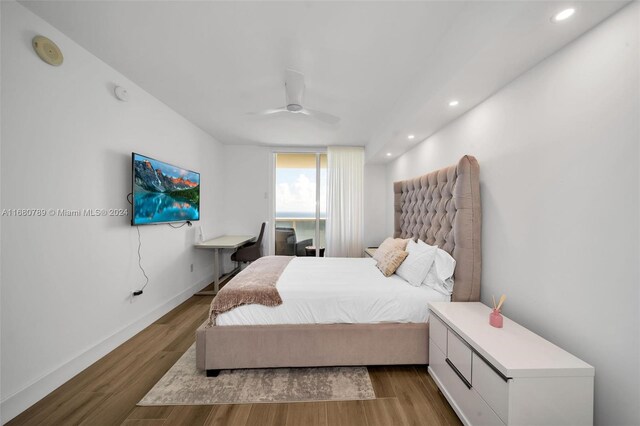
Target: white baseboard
<point x="15" y="404"/>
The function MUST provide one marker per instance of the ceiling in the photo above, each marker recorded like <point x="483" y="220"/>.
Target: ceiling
<point x="388" y="69"/>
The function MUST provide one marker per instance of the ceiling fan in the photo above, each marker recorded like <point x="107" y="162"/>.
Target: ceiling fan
<point x="294" y="89"/>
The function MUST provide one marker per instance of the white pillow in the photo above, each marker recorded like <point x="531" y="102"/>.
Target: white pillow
<point x="440" y="276"/>
<point x="415" y="267"/>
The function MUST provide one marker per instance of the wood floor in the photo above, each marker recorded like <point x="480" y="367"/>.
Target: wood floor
<point x="106" y="393"/>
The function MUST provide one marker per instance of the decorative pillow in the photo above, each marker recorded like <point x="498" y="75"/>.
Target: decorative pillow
<point x="388" y="245"/>
<point x="391" y="261"/>
<point x="418" y="262"/>
<point x="440" y="276"/>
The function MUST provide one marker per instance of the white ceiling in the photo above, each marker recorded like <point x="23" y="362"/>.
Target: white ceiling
<point x="386" y="68"/>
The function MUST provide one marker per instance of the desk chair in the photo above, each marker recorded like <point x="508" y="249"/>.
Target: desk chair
<point x="251" y="251"/>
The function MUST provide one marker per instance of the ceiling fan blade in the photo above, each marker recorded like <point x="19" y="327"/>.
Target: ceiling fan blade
<point x="322" y="116"/>
<point x="269" y="111"/>
<point x="294" y="86"/>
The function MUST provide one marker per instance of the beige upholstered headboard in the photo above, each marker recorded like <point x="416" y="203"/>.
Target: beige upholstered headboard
<point x="443" y="208"/>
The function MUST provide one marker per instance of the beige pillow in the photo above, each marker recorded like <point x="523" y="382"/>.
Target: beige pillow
<point x="390" y="262"/>
<point x="390" y="244"/>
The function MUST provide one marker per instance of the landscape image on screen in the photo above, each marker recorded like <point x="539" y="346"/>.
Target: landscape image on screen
<point x="163" y="193"/>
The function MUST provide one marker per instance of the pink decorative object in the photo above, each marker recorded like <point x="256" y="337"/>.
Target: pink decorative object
<point x="495" y="318"/>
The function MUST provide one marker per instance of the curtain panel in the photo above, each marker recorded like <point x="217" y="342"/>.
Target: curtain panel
<point x="345" y="182"/>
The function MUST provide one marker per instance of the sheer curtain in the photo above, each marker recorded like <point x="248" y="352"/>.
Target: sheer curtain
<point x="345" y="182"/>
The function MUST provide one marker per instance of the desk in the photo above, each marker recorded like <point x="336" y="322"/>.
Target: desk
<point x="223" y="242"/>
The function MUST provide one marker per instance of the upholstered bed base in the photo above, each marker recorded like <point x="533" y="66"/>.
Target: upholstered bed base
<point x="311" y="345"/>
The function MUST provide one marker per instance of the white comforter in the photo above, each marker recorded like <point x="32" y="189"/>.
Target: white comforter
<point x="338" y="291"/>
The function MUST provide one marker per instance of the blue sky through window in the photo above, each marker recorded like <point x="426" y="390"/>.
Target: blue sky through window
<point x="296" y="192"/>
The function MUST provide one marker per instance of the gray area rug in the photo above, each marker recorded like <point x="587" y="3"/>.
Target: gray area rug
<point x="184" y="384"/>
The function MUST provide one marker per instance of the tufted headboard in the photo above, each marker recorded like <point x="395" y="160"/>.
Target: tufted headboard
<point x="443" y="208"/>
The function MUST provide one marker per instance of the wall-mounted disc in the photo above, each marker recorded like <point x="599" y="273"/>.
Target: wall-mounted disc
<point x="47" y="50"/>
<point x="121" y="93"/>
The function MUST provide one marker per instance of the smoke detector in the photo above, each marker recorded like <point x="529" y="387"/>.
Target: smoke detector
<point x="121" y="93"/>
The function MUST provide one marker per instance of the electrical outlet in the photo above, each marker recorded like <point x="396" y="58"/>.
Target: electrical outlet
<point x="192" y="267"/>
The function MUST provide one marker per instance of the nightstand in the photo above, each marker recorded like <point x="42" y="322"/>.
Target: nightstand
<point x="505" y="376"/>
<point x="370" y="251"/>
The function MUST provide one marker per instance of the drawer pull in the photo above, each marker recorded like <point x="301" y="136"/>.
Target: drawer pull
<point x="455" y="370"/>
<point x="491" y="366"/>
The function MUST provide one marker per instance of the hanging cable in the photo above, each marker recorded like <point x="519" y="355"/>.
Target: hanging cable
<point x="188" y="223"/>
<point x="139" y="292"/>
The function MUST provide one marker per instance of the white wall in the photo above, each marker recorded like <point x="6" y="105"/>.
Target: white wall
<point x="66" y="143"/>
<point x="558" y="154"/>
<point x="375" y="230"/>
<point x="247" y="187"/>
<point x="247" y="192"/>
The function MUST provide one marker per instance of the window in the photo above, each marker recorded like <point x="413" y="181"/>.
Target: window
<point x="300" y="203"/>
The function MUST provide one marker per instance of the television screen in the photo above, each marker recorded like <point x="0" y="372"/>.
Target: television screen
<point x="163" y="193"/>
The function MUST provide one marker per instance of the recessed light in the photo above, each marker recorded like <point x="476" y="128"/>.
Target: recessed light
<point x="411" y="137"/>
<point x="563" y="15"/>
<point x="388" y="154"/>
<point x="454" y="103"/>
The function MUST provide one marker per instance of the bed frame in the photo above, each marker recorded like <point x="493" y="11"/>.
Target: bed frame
<point x="441" y="208"/>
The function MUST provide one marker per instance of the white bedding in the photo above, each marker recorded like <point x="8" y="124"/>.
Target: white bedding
<point x="338" y="291"/>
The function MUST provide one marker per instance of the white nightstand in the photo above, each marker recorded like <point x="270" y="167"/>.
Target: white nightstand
<point x="370" y="251"/>
<point x="505" y="376"/>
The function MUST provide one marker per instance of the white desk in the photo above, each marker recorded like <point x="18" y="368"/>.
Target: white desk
<point x="223" y="242"/>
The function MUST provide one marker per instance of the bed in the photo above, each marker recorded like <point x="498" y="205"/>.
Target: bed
<point x="338" y="311"/>
<point x="319" y="290"/>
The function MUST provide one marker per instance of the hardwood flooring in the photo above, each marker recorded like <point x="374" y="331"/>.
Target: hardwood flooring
<point x="106" y="393"/>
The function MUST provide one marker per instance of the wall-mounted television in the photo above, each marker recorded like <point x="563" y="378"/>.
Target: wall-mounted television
<point x="162" y="192"/>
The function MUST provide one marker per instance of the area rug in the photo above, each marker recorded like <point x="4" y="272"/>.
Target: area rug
<point x="184" y="384"/>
